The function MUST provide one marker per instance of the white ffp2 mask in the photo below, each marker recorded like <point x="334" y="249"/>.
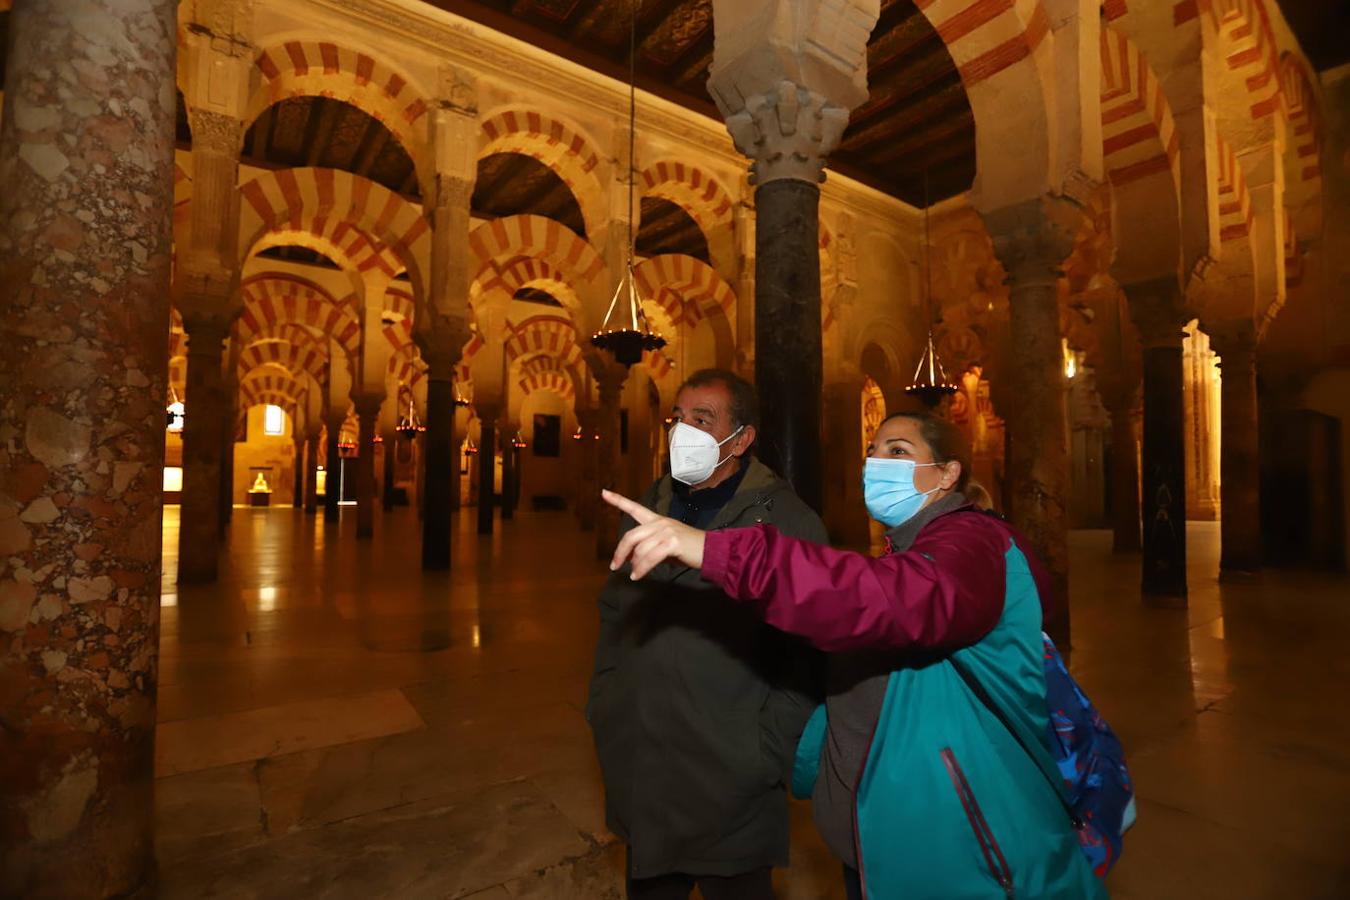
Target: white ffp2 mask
<point x="694" y="454"/>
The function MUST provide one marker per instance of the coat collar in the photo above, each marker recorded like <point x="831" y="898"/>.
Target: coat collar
<point x="902" y="536"/>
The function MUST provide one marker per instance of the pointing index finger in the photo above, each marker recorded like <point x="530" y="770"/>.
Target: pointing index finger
<point x="640" y="514"/>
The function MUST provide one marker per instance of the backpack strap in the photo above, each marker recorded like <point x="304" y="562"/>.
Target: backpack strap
<point x="983" y="696"/>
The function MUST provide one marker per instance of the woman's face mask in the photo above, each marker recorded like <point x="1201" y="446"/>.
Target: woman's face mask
<point x="889" y="491"/>
<point x="695" y="454"/>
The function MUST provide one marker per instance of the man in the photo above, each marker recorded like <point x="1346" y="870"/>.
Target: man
<point x="696" y="705"/>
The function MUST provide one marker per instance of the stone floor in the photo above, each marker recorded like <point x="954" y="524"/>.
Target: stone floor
<point x="333" y="723"/>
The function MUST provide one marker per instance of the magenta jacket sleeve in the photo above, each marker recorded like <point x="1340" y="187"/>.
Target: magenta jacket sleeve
<point x="944" y="592"/>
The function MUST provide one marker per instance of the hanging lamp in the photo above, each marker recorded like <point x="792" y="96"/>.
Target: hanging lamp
<point x="625" y="332"/>
<point x="930" y="383"/>
<point x="518" y="441"/>
<point x="410" y="426"/>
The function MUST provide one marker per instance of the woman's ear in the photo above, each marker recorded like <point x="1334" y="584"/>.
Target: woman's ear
<point x="951" y="474"/>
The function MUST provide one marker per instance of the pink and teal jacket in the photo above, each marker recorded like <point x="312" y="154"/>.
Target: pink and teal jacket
<point x="947" y="805"/>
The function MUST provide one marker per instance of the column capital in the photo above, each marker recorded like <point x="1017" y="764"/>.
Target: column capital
<point x="788" y="132"/>
<point x="206" y="331"/>
<point x="367" y="404"/>
<point x="1033" y="238"/>
<point x="1158" y="310"/>
<point x="216" y="132"/>
<point x="440" y="340"/>
<point x="1232" y="339"/>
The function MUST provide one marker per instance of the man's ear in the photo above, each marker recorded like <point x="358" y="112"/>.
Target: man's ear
<point x="743" y="442"/>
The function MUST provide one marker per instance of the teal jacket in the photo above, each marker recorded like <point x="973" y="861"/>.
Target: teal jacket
<point x="948" y="806"/>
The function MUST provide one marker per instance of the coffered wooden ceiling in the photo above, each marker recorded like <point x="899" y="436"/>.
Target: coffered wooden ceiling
<point x="916" y="118"/>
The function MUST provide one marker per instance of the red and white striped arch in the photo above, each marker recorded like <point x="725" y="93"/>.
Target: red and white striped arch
<point x="274" y="300"/>
<point x="340" y="207"/>
<point x="688" y="289"/>
<point x="500" y="244"/>
<point x="1139" y="137"/>
<point x="696" y="191"/>
<point x="993" y="44"/>
<point x="542" y="372"/>
<point x="399" y="302"/>
<point x="301" y="68"/>
<point x="553" y="335"/>
<point x="1235" y="205"/>
<point x="540" y="274"/>
<point x="296" y="359"/>
<point x="561" y="146"/>
<point x="1247" y="40"/>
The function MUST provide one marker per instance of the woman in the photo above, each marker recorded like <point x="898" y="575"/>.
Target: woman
<point x="922" y="792"/>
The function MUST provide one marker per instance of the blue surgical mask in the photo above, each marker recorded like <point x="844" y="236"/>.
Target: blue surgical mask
<point x="889" y="491"/>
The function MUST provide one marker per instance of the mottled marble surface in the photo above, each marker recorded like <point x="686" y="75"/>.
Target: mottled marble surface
<point x="1226" y="708"/>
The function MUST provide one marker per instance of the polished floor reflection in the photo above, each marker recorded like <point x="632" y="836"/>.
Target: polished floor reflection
<point x="334" y="723"/>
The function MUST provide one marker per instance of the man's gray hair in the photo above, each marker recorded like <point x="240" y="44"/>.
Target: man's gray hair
<point x="744" y="399"/>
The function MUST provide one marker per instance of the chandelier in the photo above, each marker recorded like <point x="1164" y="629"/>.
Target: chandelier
<point x="625" y="332"/>
<point x="410" y="426"/>
<point x="930" y="383"/>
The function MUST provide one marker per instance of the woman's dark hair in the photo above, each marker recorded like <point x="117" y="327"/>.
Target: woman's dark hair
<point x="945" y="441"/>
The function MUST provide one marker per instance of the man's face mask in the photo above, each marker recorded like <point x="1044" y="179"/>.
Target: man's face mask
<point x="694" y="454"/>
<point x="889" y="491"/>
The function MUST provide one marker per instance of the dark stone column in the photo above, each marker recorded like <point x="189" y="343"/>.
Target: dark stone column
<point x="1155" y="306"/>
<point x="85" y="243"/>
<point x="588" y="499"/>
<point x="367" y="416"/>
<point x="1239" y="452"/>
<point x="441" y="457"/>
<point x="609" y="381"/>
<point x="787" y="332"/>
<point x="487" y="463"/>
<point x="332" y="496"/>
<point x="390" y="468"/>
<point x="206" y="429"/>
<point x="312" y="473"/>
<point x="1124" y="482"/>
<point x="298" y="501"/>
<point x="1032" y="240"/>
<point x="229" y="434"/>
<point x="508" y="472"/>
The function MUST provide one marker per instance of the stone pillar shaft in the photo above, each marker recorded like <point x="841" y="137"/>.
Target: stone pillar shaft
<point x="391" y="440"/>
<point x="1240" y="458"/>
<point x="367" y="415"/>
<point x="788" y="364"/>
<point x="312" y="474"/>
<point x="1164" y="456"/>
<point x="332" y="495"/>
<point x="205" y="433"/>
<point x="508" y="472"/>
<point x="1124" y="482"/>
<point x="85" y="241"/>
<point x="609" y="383"/>
<point x="298" y="476"/>
<point x="441" y="461"/>
<point x="487" y="471"/>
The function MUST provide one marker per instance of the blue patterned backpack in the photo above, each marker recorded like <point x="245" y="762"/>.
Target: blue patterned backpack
<point x="1096" y="790"/>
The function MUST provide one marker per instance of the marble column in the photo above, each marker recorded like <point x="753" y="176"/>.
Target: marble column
<point x="507" y="432"/>
<point x="229" y="435"/>
<point x="367" y="417"/>
<point x="1156" y="309"/>
<point x="845" y="515"/>
<point x="332" y="496"/>
<point x="1031" y="240"/>
<point x="440" y="464"/>
<point x="609" y="380"/>
<point x="86" y="161"/>
<point x="207" y="427"/>
<point x="1239" y="451"/>
<point x="312" y="473"/>
<point x="588" y="421"/>
<point x="788" y="362"/>
<point x="487" y="468"/>
<point x="391" y="440"/>
<point x="298" y="476"/>
<point x="1124" y="478"/>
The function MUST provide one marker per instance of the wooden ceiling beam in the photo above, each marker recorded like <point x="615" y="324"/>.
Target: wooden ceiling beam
<point x="487" y="191"/>
<point x="372" y="144"/>
<point x="887" y="93"/>
<point x="932" y="157"/>
<point x="931" y="107"/>
<point x="960" y="128"/>
<point x="650" y="24"/>
<point x="323" y="115"/>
